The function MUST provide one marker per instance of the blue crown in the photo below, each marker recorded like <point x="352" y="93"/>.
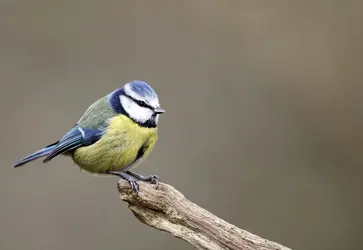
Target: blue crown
<point x="142" y="89"/>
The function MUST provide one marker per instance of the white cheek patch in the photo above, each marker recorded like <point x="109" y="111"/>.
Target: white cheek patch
<point x="140" y="114"/>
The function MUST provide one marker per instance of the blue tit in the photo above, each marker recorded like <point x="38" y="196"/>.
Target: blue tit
<point x="115" y="133"/>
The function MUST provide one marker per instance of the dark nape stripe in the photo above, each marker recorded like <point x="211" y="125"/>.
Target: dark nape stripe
<point x="115" y="103"/>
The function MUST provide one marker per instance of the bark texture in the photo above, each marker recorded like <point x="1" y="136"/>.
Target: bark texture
<point x="165" y="208"/>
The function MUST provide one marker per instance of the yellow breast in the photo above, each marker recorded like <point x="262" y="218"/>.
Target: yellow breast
<point x="117" y="148"/>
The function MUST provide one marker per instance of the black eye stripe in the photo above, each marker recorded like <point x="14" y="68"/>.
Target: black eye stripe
<point x="140" y="103"/>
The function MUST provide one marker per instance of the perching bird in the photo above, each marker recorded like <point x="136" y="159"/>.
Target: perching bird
<point x="113" y="135"/>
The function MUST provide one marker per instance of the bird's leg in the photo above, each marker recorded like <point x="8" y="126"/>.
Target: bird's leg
<point x="126" y="176"/>
<point x="153" y="179"/>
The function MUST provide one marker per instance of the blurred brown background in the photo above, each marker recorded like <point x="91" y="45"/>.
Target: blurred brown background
<point x="263" y="125"/>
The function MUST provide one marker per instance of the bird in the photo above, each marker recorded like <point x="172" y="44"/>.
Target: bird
<point x="114" y="135"/>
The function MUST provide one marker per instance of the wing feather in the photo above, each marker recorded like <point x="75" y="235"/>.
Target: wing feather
<point x="76" y="137"/>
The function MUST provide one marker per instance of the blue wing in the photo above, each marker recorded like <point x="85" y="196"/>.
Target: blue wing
<point x="40" y="153"/>
<point x="76" y="137"/>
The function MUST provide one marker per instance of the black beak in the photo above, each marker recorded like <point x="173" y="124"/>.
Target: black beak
<point x="159" y="110"/>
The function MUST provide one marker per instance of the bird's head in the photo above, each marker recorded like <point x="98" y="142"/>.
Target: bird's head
<point x="139" y="102"/>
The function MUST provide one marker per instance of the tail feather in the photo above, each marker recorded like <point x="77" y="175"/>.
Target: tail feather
<point x="40" y="153"/>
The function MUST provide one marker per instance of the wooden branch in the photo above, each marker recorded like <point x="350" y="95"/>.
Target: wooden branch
<point x="166" y="209"/>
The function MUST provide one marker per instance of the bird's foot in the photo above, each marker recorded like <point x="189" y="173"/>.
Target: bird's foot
<point x="126" y="176"/>
<point x="153" y="179"/>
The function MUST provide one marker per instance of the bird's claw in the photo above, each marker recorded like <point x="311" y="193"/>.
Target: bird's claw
<point x="153" y="179"/>
<point x="127" y="177"/>
<point x="134" y="186"/>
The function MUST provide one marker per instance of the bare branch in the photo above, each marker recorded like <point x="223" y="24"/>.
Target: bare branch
<point x="166" y="209"/>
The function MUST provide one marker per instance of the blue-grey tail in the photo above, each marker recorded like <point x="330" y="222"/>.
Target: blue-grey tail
<point x="40" y="153"/>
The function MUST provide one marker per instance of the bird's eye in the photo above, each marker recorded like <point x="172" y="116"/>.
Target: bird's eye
<point x="141" y="103"/>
